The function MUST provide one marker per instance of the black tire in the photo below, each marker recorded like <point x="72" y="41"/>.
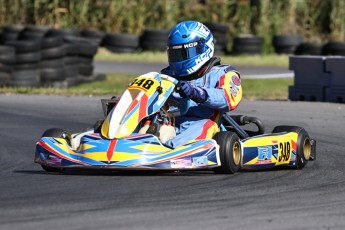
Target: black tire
<point x="72" y="49"/>
<point x="287" y="40"/>
<point x="28" y="57"/>
<point x="25" y="46"/>
<point x="121" y="40"/>
<point x="248" y="44"/>
<point x="28" y="35"/>
<point x="95" y="37"/>
<point x="220" y="39"/>
<point x="74" y="81"/>
<point x="154" y="39"/>
<point x="85" y="60"/>
<point x="62" y="32"/>
<point x="52" y="63"/>
<point x="53" y="53"/>
<point x="13" y="28"/>
<point x="7" y="54"/>
<point x="31" y="83"/>
<point x="26" y="66"/>
<point x="6" y="68"/>
<point x="7" y="36"/>
<point x="229" y="152"/>
<point x="71" y="60"/>
<point x="4" y="78"/>
<point x="23" y="75"/>
<point x="50" y="42"/>
<point x="334" y="48"/>
<point x="85" y="70"/>
<point x="56" y="74"/>
<point x="87" y="49"/>
<point x="303" y="143"/>
<point x="307" y="48"/>
<point x="58" y="133"/>
<point x="286" y="44"/>
<point x="71" y="71"/>
<point x="217" y="27"/>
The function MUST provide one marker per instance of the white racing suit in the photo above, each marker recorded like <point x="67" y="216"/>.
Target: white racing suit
<point x="222" y="84"/>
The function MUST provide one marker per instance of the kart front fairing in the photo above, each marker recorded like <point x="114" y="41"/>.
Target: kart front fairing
<point x="119" y="146"/>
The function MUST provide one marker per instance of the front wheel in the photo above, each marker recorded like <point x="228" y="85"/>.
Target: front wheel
<point x="229" y="152"/>
<point x="304" y="144"/>
<point x="57" y="133"/>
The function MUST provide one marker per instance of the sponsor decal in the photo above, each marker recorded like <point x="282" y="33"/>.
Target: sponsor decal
<point x="265" y="154"/>
<point x="177" y="47"/>
<point x="200" y="161"/>
<point x="203" y="56"/>
<point x="190" y="45"/>
<point x="233" y="89"/>
<point x="236" y="80"/>
<point x="181" y="163"/>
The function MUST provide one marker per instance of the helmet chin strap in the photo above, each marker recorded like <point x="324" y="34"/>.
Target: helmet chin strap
<point x="203" y="70"/>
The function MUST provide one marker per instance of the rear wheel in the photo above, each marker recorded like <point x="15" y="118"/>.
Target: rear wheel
<point x="304" y="145"/>
<point x="229" y="152"/>
<point x="58" y="133"/>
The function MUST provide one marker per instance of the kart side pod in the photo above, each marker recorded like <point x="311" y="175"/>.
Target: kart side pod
<point x="285" y="146"/>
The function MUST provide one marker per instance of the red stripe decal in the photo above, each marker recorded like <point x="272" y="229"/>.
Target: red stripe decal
<point x="143" y="107"/>
<point x="221" y="81"/>
<point x="111" y="148"/>
<point x="205" y="128"/>
<point x="294" y="145"/>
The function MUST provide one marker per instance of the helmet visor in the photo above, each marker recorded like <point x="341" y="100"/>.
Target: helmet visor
<point x="183" y="52"/>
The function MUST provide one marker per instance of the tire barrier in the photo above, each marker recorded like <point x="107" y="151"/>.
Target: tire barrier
<point x="286" y="44"/>
<point x="318" y="78"/>
<point x="41" y="56"/>
<point x="154" y="40"/>
<point x="247" y="44"/>
<point x="121" y="43"/>
<point x="221" y="35"/>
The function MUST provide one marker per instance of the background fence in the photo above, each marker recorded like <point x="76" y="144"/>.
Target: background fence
<point x="315" y="20"/>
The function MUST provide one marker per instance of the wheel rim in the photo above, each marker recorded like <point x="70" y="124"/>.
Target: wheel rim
<point x="236" y="153"/>
<point x="307" y="148"/>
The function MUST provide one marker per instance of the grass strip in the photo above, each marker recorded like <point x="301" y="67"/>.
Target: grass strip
<point x="116" y="83"/>
<point x="161" y="57"/>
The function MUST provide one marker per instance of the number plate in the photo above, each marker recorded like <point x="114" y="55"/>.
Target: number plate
<point x="284" y="152"/>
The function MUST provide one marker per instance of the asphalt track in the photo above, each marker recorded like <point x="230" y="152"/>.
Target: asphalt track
<point x="312" y="198"/>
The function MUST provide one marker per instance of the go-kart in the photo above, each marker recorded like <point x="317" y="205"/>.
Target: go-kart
<point x="137" y="124"/>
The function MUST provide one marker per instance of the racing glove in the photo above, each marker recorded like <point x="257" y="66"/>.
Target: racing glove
<point x="197" y="94"/>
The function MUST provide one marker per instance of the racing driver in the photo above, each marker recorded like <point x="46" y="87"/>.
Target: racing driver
<point x="212" y="88"/>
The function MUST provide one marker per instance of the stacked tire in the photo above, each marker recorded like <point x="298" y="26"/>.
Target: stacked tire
<point x="154" y="40"/>
<point x="10" y="33"/>
<point x="7" y="59"/>
<point x="220" y="33"/>
<point x="25" y="70"/>
<point x="247" y="44"/>
<point x="334" y="48"/>
<point x="286" y="44"/>
<point x="93" y="36"/>
<point x="52" y="64"/>
<point x="121" y="42"/>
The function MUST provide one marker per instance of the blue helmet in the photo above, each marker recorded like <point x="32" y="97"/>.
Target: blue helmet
<point x="190" y="46"/>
